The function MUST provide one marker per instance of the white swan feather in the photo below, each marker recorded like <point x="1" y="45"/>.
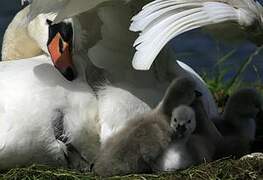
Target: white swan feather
<point x="64" y="8"/>
<point x="162" y="20"/>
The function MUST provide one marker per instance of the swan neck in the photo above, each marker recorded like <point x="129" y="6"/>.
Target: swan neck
<point x="17" y="44"/>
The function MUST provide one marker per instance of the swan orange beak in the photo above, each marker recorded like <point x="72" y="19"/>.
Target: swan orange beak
<point x="61" y="56"/>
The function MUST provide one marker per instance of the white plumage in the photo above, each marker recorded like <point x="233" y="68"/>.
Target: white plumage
<point x="27" y="132"/>
<point x="65" y="8"/>
<point x="162" y="20"/>
<point x="14" y="46"/>
<point x="31" y="99"/>
<point x="116" y="107"/>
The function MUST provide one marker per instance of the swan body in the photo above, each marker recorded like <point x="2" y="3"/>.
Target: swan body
<point x="105" y="100"/>
<point x="161" y="20"/>
<point x="142" y="90"/>
<point x="74" y="103"/>
<point x="32" y="98"/>
<point x="118" y="106"/>
<point x="44" y="96"/>
<point x="96" y="38"/>
<point x="149" y="86"/>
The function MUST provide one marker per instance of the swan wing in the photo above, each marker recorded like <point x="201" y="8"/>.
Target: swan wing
<point x="162" y="20"/>
<point x="47" y="6"/>
<point x="75" y="7"/>
<point x="63" y="8"/>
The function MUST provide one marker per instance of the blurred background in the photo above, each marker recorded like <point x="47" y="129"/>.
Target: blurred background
<point x="196" y="48"/>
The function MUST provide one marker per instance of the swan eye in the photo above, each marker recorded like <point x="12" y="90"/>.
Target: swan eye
<point x="189" y="121"/>
<point x="25" y="3"/>
<point x="49" y="22"/>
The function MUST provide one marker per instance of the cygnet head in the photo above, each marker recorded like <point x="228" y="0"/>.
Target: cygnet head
<point x="183" y="121"/>
<point x="182" y="91"/>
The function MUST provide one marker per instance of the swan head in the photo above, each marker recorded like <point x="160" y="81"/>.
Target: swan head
<point x="60" y="45"/>
<point x="61" y="41"/>
<point x="27" y="38"/>
<point x="182" y="91"/>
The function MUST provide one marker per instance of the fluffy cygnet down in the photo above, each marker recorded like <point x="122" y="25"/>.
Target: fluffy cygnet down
<point x="187" y="147"/>
<point x="238" y="123"/>
<point x="136" y="148"/>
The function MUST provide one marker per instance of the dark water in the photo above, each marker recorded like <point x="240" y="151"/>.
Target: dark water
<point x="196" y="48"/>
<point x="202" y="51"/>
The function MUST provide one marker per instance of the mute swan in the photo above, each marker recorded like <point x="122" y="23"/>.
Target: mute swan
<point x="161" y="20"/>
<point x="28" y="134"/>
<point x="51" y="120"/>
<point x="148" y="86"/>
<point x="104" y="28"/>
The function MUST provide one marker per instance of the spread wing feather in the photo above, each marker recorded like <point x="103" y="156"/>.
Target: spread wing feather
<point x="162" y="20"/>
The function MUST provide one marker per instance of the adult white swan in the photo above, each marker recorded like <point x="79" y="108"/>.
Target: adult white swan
<point x="108" y="44"/>
<point x="43" y="117"/>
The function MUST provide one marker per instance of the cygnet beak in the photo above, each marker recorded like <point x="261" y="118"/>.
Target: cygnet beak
<point x="180" y="131"/>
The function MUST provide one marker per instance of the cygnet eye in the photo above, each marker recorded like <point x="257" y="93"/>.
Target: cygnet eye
<point x="175" y="120"/>
<point x="188" y="122"/>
